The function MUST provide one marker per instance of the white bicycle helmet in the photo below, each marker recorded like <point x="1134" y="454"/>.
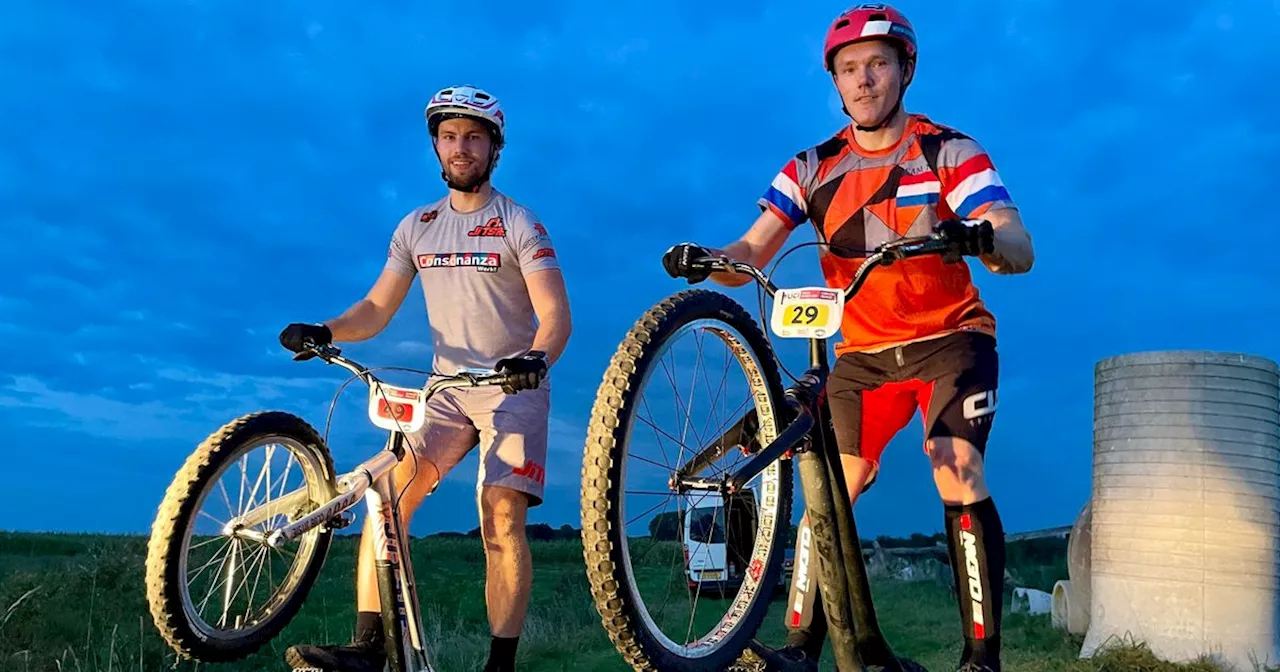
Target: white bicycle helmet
<point x="466" y="101"/>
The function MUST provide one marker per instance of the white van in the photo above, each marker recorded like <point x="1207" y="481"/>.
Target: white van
<point x="709" y="565"/>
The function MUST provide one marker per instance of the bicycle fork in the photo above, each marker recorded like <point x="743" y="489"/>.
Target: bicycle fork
<point x="397" y="591"/>
<point x="828" y="556"/>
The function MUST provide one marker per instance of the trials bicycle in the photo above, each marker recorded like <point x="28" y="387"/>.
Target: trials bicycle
<point x="285" y="531"/>
<point x="778" y="425"/>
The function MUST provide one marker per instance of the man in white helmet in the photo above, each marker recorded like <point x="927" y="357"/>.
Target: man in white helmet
<point x="495" y="298"/>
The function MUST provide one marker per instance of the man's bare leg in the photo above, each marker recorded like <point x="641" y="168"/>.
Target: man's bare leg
<point x="508" y="570"/>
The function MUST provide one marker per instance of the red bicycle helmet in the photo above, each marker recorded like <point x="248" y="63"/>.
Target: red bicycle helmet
<point x="867" y="21"/>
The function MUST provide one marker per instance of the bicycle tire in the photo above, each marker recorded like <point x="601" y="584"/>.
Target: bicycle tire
<point x="622" y="613"/>
<point x="166" y="548"/>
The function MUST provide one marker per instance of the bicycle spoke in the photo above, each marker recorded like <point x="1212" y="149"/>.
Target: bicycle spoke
<point x="221" y="523"/>
<point x="234" y="544"/>
<point x="244" y="461"/>
<point x="210" y="540"/>
<point x="254" y="563"/>
<point x="693" y="610"/>
<point x="724" y="379"/>
<point x="658" y="431"/>
<point x="264" y="476"/>
<point x="679" y="402"/>
<point x="665" y="466"/>
<point x="226" y="497"/>
<point x="693" y="386"/>
<point x="209" y="564"/>
<point x="284" y="479"/>
<point x="629" y="522"/>
<point x="227" y="594"/>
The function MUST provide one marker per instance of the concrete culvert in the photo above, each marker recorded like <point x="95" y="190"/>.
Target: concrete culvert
<point x="1185" y="510"/>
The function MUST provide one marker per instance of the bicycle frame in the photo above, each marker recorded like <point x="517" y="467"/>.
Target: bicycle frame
<point x="406" y="645"/>
<point x="854" y="631"/>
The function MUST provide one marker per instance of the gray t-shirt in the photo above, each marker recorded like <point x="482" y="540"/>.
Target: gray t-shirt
<point x="472" y="267"/>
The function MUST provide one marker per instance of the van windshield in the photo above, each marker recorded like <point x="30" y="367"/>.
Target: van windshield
<point x="706" y="525"/>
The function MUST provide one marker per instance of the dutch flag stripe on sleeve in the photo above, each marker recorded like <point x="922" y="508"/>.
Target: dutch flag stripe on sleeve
<point x="922" y="189"/>
<point x="785" y="196"/>
<point x="976" y="183"/>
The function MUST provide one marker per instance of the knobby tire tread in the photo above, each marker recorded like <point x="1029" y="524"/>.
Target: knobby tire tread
<point x="602" y="550"/>
<point x="164" y="586"/>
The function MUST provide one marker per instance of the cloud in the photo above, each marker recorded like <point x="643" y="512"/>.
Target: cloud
<point x="175" y="404"/>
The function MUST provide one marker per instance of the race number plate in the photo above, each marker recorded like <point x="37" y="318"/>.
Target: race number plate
<point x="807" y="312"/>
<point x="397" y="408"/>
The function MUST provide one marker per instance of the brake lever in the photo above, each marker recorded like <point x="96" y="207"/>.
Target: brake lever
<point x="717" y="264"/>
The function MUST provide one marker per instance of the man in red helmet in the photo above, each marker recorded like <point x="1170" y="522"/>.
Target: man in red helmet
<point x="917" y="335"/>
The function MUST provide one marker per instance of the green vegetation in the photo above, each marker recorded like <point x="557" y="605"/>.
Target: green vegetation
<point x="76" y="602"/>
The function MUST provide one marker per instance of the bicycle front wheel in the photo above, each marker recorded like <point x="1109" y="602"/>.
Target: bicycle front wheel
<point x="682" y="579"/>
<point x="217" y="591"/>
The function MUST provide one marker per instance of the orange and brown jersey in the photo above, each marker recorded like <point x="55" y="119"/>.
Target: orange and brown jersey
<point x="859" y="199"/>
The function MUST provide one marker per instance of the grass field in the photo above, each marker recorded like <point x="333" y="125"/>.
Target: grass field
<point x="76" y="602"/>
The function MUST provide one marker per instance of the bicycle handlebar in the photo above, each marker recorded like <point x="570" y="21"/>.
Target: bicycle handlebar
<point x="885" y="254"/>
<point x="332" y="354"/>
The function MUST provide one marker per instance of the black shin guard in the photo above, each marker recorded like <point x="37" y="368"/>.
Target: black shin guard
<point x="975" y="538"/>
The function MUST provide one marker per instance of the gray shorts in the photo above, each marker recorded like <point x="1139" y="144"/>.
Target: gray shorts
<point x="511" y="430"/>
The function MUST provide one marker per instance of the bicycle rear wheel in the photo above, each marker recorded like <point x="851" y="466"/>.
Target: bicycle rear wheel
<point x="749" y="570"/>
<point x="181" y="549"/>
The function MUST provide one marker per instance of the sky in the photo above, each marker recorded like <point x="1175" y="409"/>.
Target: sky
<point x="180" y="180"/>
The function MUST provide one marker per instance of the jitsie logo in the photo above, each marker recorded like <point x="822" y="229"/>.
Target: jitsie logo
<point x="492" y="228"/>
<point x="970" y="545"/>
<point x="487" y="262"/>
<point x="532" y="470"/>
<point x="544" y="252"/>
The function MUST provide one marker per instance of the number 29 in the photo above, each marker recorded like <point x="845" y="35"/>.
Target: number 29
<point x="805" y="314"/>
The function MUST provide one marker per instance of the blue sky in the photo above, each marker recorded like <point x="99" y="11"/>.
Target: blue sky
<point x="161" y="160"/>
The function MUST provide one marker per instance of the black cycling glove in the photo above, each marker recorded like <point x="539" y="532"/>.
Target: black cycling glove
<point x="524" y="372"/>
<point x="968" y="237"/>
<point x="295" y="336"/>
<point x="678" y="262"/>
